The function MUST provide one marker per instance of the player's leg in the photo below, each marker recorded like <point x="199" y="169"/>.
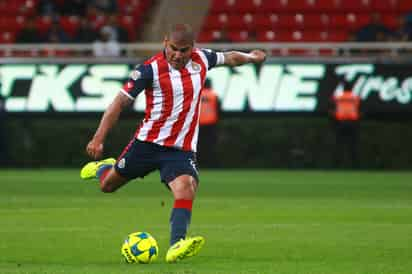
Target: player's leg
<point x="181" y="247"/>
<point x="184" y="190"/>
<point x="135" y="161"/>
<point x="112" y="181"/>
<point x="178" y="171"/>
<point x="104" y="171"/>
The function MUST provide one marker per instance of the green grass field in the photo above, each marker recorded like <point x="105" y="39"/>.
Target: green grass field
<point x="254" y="222"/>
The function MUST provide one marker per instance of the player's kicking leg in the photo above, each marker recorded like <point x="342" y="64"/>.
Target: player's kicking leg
<point x="181" y="247"/>
<point x="103" y="170"/>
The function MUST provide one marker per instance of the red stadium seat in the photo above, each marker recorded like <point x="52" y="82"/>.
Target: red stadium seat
<point x="299" y="36"/>
<point x="336" y="36"/>
<point x="130" y="6"/>
<point x="325" y="5"/>
<point x="12" y="23"/>
<point x="97" y="21"/>
<point x="221" y="6"/>
<point x="299" y="6"/>
<point x="288" y="36"/>
<point x="356" y="21"/>
<point x="43" y="24"/>
<point x="390" y="6"/>
<point x="272" y="6"/>
<point x="391" y="20"/>
<point x="266" y="36"/>
<point x="129" y="24"/>
<point x="316" y="21"/>
<point x="214" y="21"/>
<point x="349" y="21"/>
<point x="266" y="21"/>
<point x="289" y="21"/>
<point x="239" y="36"/>
<point x="405" y="6"/>
<point x="7" y="37"/>
<point x="356" y="6"/>
<point x="70" y="24"/>
<point x="244" y="21"/>
<point x="208" y="36"/>
<point x="303" y="21"/>
<point x="247" y="6"/>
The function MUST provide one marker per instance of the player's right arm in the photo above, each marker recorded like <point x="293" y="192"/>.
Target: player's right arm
<point x="140" y="79"/>
<point x="233" y="58"/>
<point x="236" y="58"/>
<point x="109" y="119"/>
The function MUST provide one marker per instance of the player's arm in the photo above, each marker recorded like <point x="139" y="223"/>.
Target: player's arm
<point x="237" y="58"/>
<point x="232" y="58"/>
<point x="140" y="78"/>
<point x="109" y="119"/>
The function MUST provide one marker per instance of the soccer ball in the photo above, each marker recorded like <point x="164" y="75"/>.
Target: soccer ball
<point x="140" y="247"/>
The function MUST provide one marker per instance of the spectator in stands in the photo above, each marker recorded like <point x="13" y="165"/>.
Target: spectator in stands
<point x="117" y="32"/>
<point x="85" y="33"/>
<point x="54" y="8"/>
<point x="104" y="46"/>
<point x="375" y="31"/>
<point x="47" y="7"/>
<point x="56" y="33"/>
<point x="73" y="7"/>
<point x="404" y="33"/>
<point x="29" y="33"/>
<point x="96" y="17"/>
<point x="107" y="6"/>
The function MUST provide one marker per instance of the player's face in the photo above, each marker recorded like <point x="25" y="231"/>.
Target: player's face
<point x="178" y="53"/>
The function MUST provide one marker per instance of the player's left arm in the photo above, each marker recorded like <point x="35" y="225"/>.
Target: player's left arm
<point x="237" y="58"/>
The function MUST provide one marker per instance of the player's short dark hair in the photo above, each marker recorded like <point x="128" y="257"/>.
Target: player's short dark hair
<point x="181" y="33"/>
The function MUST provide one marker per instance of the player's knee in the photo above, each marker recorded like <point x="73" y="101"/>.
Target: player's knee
<point x="107" y="188"/>
<point x="187" y="193"/>
<point x="184" y="188"/>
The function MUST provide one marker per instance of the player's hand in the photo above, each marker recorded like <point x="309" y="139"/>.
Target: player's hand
<point x="95" y="149"/>
<point x="258" y="56"/>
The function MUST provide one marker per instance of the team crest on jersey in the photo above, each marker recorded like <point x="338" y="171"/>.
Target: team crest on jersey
<point x="135" y="75"/>
<point x="195" y="66"/>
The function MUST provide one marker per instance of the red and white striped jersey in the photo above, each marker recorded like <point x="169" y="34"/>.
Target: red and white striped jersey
<point x="172" y="98"/>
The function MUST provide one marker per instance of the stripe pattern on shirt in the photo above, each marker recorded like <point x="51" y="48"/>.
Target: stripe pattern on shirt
<point x="172" y="104"/>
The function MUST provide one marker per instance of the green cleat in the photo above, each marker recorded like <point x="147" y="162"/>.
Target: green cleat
<point x="184" y="248"/>
<point x="90" y="169"/>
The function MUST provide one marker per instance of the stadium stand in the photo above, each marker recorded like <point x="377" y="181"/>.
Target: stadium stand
<point x="297" y="20"/>
<point x="16" y="13"/>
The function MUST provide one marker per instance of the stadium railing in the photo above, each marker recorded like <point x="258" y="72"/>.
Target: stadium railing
<point x="281" y="49"/>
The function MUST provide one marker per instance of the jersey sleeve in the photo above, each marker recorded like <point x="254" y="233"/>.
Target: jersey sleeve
<point x="213" y="58"/>
<point x="140" y="78"/>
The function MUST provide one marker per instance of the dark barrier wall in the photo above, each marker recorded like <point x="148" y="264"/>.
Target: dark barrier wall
<point x="274" y="115"/>
<point x="281" y="142"/>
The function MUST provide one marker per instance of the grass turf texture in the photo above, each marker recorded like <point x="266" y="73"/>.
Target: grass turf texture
<point x="253" y="221"/>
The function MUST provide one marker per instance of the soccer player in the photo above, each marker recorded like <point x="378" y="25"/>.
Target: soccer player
<point x="166" y="139"/>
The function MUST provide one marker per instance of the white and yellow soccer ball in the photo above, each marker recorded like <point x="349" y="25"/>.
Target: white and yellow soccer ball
<point x="140" y="247"/>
